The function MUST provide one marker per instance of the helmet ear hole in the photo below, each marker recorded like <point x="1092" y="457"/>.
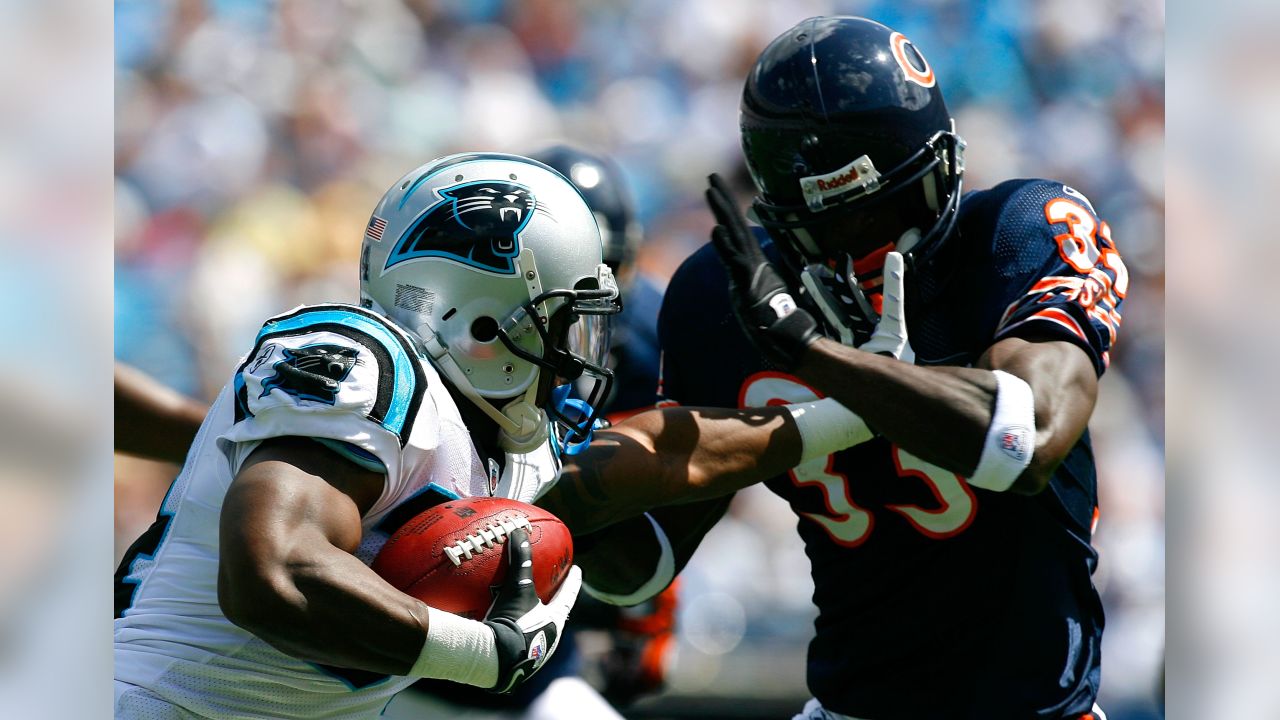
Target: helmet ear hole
<point x="484" y="329"/>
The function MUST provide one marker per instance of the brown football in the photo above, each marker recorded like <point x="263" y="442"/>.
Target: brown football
<point x="453" y="556"/>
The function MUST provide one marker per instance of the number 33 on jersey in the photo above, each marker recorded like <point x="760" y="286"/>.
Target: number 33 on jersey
<point x="953" y="504"/>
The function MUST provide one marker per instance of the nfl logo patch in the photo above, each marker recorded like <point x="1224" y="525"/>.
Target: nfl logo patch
<point x="538" y="648"/>
<point x="1013" y="441"/>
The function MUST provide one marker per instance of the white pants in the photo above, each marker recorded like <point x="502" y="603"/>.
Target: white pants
<point x="813" y="710"/>
<point x="570" y="698"/>
<point x="136" y="703"/>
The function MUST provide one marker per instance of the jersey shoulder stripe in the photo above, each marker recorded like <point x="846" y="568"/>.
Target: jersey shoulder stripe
<point x="1055" y="265"/>
<point x="401" y="383"/>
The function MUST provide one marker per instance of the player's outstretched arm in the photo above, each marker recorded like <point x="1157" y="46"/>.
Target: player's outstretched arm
<point x="1024" y="406"/>
<point x="152" y="420"/>
<point x="680" y="455"/>
<point x="946" y="415"/>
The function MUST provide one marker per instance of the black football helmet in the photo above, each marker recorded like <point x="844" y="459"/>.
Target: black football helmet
<point x="601" y="183"/>
<point x="852" y="149"/>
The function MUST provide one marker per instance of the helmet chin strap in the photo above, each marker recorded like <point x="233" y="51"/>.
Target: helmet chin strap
<point x="534" y="427"/>
<point x="522" y="424"/>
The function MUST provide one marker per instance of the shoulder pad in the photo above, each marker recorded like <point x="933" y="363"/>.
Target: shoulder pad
<point x="1059" y="266"/>
<point x="332" y="360"/>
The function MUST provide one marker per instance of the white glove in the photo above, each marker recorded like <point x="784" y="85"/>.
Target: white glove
<point x="526" y="631"/>
<point x="890" y="337"/>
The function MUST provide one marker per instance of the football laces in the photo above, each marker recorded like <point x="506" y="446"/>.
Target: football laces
<point x="486" y="537"/>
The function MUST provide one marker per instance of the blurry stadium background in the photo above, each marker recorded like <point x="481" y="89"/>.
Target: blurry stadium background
<point x="253" y="138"/>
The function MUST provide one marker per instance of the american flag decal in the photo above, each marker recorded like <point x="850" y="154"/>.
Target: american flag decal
<point x="376" y="226"/>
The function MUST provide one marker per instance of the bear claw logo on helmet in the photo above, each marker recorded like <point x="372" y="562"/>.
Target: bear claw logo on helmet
<point x="475" y="223"/>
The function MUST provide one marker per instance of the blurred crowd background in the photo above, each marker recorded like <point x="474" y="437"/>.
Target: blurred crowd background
<point x="253" y="138"/>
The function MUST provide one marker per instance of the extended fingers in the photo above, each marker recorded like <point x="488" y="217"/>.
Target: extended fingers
<point x="567" y="595"/>
<point x="519" y="559"/>
<point x="723" y="206"/>
<point x="737" y="260"/>
<point x="894" y="283"/>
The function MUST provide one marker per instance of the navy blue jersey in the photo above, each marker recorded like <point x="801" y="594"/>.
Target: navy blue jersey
<point x="635" y="348"/>
<point x="936" y="599"/>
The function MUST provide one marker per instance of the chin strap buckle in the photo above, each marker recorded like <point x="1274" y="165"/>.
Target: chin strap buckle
<point x="432" y="345"/>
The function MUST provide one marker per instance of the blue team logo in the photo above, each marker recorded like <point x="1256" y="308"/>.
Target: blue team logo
<point x="475" y="223"/>
<point x="312" y="372"/>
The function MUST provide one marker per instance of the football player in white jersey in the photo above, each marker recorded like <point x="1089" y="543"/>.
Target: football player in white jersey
<point x="482" y="292"/>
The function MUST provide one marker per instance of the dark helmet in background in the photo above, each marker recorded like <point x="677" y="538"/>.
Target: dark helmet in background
<point x="850" y="145"/>
<point x="604" y="188"/>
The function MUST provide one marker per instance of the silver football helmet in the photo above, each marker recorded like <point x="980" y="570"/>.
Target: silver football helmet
<point x="493" y="262"/>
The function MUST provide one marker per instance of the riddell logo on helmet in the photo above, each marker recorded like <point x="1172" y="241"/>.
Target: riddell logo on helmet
<point x="838" y="181"/>
<point x="860" y="173"/>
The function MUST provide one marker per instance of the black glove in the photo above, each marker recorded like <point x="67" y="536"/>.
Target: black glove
<point x="761" y="298"/>
<point x="525" y="630"/>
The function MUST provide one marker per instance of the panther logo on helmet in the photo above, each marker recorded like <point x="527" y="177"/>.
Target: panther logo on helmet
<point x="475" y="223"/>
<point x="511" y="298"/>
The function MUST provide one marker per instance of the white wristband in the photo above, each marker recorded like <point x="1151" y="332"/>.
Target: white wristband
<point x="826" y="427"/>
<point x="457" y="649"/>
<point x="663" y="573"/>
<point x="1011" y="437"/>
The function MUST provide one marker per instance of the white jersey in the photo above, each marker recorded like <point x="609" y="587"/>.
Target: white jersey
<point x="350" y="379"/>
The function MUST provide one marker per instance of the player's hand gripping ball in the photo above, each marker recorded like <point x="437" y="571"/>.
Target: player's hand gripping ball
<point x="453" y="556"/>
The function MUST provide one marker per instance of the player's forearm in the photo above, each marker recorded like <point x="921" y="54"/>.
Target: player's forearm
<point x="940" y="414"/>
<point x="730" y="450"/>
<point x="152" y="420"/>
<point x="669" y="456"/>
<point x="327" y="607"/>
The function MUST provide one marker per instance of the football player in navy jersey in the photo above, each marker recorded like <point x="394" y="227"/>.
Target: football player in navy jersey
<point x="950" y="545"/>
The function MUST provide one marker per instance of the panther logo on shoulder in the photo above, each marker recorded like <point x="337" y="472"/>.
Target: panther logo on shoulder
<point x="312" y="372"/>
<point x="475" y="223"/>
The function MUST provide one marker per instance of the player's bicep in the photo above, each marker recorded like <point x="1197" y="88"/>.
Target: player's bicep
<point x="290" y="497"/>
<point x="1064" y="386"/>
